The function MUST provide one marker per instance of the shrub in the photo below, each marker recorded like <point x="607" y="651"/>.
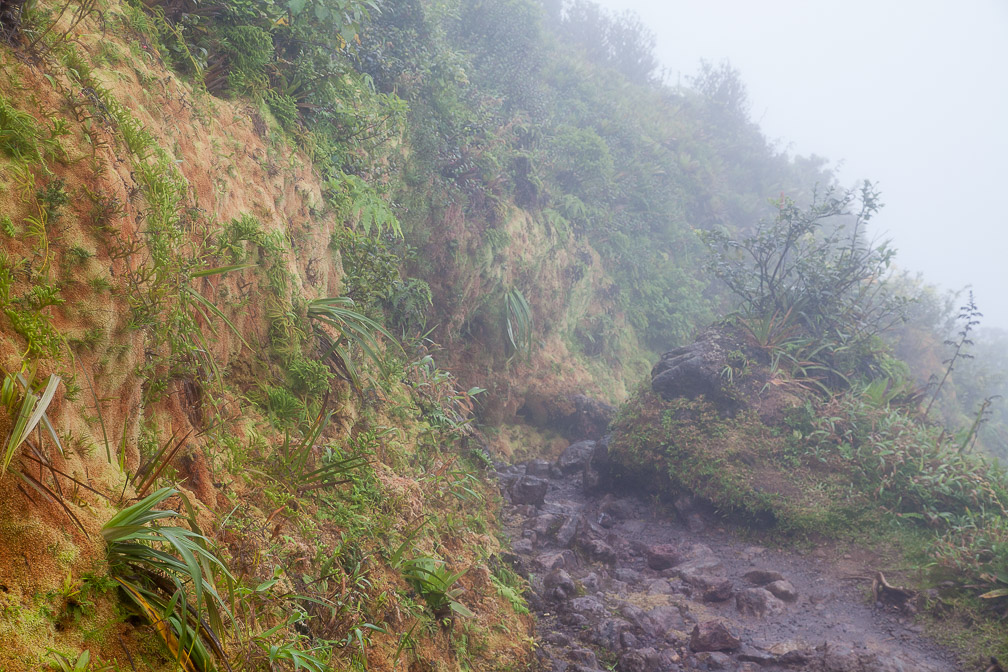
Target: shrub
<point x="815" y="273"/>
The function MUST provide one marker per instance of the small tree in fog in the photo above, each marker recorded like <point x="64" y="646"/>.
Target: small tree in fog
<point x="813" y="274"/>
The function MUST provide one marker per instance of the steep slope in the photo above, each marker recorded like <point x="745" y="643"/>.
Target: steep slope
<point x="165" y="253"/>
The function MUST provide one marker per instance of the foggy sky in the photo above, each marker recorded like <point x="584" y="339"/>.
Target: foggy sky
<point x="911" y="95"/>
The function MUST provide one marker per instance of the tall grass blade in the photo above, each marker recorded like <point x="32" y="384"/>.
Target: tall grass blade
<point x="30" y="414"/>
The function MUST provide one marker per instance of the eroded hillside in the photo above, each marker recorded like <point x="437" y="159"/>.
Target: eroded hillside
<point x="170" y="257"/>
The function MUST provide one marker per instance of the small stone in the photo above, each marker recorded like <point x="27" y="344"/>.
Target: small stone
<point x="783" y="589"/>
<point x="583" y="656"/>
<point x="596" y="549"/>
<point x="758" y="602"/>
<point x="632" y="661"/>
<point x="713" y="636"/>
<point x="565" y="533"/>
<point x="551" y="561"/>
<point x="717" y="591"/>
<point x="608" y="633"/>
<point x="627" y="575"/>
<point x="588" y="605"/>
<point x="761" y="577"/>
<point x="557" y="638"/>
<point x="522" y="546"/>
<point x="662" y="556"/>
<point x="559" y="583"/>
<point x="628" y="640"/>
<point x="718" y="661"/>
<point x="544" y="525"/>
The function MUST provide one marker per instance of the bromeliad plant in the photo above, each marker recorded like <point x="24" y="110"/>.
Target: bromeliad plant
<point x="355" y="330"/>
<point x="436" y="584"/>
<point x="169" y="572"/>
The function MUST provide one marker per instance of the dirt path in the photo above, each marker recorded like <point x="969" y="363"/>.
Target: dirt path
<point x="618" y="586"/>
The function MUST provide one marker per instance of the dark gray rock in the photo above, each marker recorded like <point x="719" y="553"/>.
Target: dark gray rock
<point x="666" y="621"/>
<point x="609" y="631"/>
<point x="690" y="513"/>
<point x="695" y="369"/>
<point x="544" y="525"/>
<point x="597" y="472"/>
<point x="589" y="605"/>
<point x="665" y="660"/>
<point x="575" y="620"/>
<point x="715" y="660"/>
<point x="597" y="550"/>
<point x="538" y="468"/>
<point x="529" y="490"/>
<point x="714" y="589"/>
<point x="523" y="547"/>
<point x="555" y="560"/>
<point x="575" y="457"/>
<point x="620" y="509"/>
<point x="565" y="533"/>
<point x="590" y="419"/>
<point x="632" y="661"/>
<point x="559" y="585"/>
<point x="582" y="656"/>
<point x="713" y="636"/>
<point x="639" y="618"/>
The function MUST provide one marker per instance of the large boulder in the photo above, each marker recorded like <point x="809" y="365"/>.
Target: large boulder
<point x="700" y="369"/>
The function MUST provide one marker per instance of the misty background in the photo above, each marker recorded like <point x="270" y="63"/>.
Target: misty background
<point x="911" y="96"/>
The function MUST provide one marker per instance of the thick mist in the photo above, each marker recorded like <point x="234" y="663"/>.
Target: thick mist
<point x="913" y="97"/>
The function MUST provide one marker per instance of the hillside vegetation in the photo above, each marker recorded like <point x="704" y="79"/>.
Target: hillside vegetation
<point x="278" y="282"/>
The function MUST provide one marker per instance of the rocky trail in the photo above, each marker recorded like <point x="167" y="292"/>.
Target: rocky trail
<point x="618" y="584"/>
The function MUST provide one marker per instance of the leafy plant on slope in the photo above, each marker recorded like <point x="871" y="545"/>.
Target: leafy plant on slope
<point x="436" y="584"/>
<point x="355" y="330"/>
<point x="28" y="414"/>
<point x="169" y="572"/>
<point x="518" y="320"/>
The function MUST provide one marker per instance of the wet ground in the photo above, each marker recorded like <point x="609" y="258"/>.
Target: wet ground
<point x="619" y="584"/>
